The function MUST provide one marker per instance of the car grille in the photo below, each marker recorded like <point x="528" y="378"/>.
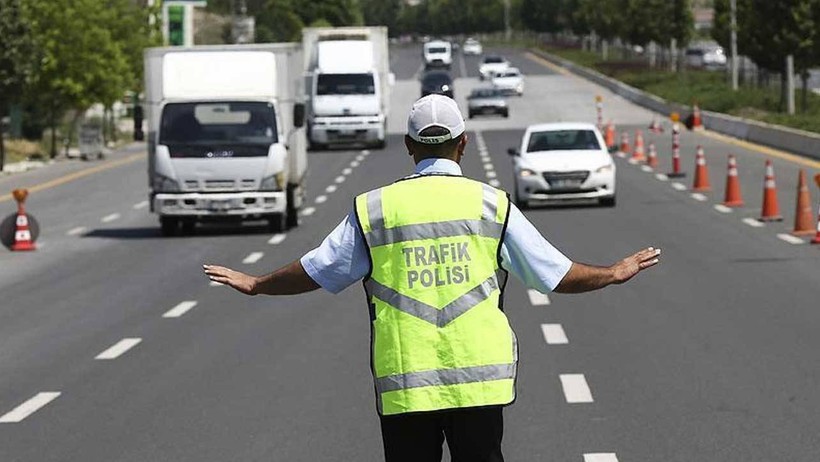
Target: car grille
<point x="579" y="176"/>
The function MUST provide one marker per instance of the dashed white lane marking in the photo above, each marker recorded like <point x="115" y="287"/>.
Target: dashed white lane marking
<point x="29" y="407"/>
<point x="180" y="309"/>
<point x="646" y="168"/>
<point x="215" y="284"/>
<point x="347" y="171"/>
<point x="537" y="298"/>
<point x="340" y="179"/>
<point x="76" y="231"/>
<point x="600" y="457"/>
<point x="699" y="197"/>
<point x="119" y="348"/>
<point x="679" y="186"/>
<point x="253" y="257"/>
<point x="722" y="208"/>
<point x="321" y="199"/>
<point x="575" y="388"/>
<point x="365" y="152"/>
<point x="661" y="177"/>
<point x="554" y="334"/>
<point x="110" y="218"/>
<point x="308" y="211"/>
<point x="488" y="166"/>
<point x="277" y="239"/>
<point x="354" y="164"/>
<point x="790" y="239"/>
<point x="753" y="223"/>
<point x="495" y="183"/>
<point x="491" y="174"/>
<point x="330" y="189"/>
<point x="140" y="205"/>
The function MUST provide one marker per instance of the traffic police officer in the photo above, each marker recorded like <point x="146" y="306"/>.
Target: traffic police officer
<point x="434" y="249"/>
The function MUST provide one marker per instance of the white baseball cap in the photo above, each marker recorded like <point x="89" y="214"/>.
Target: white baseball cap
<point x="435" y="111"/>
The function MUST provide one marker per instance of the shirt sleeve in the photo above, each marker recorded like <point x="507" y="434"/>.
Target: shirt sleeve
<point x="529" y="256"/>
<point x="341" y="259"/>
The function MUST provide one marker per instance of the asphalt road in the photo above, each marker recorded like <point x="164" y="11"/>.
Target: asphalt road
<point x="709" y="356"/>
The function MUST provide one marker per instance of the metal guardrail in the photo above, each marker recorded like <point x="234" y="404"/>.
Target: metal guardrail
<point x="776" y="136"/>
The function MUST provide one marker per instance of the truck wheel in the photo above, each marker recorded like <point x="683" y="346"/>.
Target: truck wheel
<point x="291" y="212"/>
<point x="277" y="223"/>
<point x="169" y="226"/>
<point x="380" y="144"/>
<point x="188" y="227"/>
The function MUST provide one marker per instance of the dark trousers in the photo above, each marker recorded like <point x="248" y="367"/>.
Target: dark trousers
<point x="473" y="435"/>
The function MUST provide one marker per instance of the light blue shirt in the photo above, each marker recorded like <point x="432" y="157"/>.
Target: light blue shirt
<point x="342" y="258"/>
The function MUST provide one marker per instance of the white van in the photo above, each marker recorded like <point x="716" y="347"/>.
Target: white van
<point x="438" y="53"/>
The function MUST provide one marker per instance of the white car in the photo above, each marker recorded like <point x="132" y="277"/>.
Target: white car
<point x="563" y="161"/>
<point x="491" y="65"/>
<point x="509" y="82"/>
<point x="472" y="47"/>
<point x="438" y="53"/>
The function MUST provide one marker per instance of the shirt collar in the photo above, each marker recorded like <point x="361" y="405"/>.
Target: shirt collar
<point x="438" y="165"/>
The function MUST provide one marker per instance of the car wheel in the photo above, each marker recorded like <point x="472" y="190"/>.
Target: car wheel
<point x="522" y="204"/>
<point x="608" y="201"/>
<point x="505" y="114"/>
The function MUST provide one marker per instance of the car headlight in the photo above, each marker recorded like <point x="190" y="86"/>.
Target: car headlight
<point x="164" y="184"/>
<point x="273" y="182"/>
<point x="525" y="172"/>
<point x="605" y="169"/>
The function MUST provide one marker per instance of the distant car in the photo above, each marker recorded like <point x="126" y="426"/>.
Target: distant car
<point x="563" y="161"/>
<point x="711" y="57"/>
<point x="472" y="47"/>
<point x="437" y="53"/>
<point x="491" y="65"/>
<point x="437" y="82"/>
<point x="487" y="101"/>
<point x="510" y="81"/>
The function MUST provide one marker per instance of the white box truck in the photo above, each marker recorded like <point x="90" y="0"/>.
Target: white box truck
<point x="225" y="134"/>
<point x="347" y="75"/>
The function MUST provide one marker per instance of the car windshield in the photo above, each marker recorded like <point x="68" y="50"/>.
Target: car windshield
<point x="437" y="50"/>
<point x="562" y="140"/>
<point x="345" y="84"/>
<point x="493" y="60"/>
<point x="508" y="74"/>
<point x="241" y="123"/>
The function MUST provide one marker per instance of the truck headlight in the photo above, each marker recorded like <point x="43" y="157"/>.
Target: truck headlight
<point x="273" y="182"/>
<point x="605" y="169"/>
<point x="164" y="184"/>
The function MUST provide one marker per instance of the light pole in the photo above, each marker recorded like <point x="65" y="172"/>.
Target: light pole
<point x="733" y="13"/>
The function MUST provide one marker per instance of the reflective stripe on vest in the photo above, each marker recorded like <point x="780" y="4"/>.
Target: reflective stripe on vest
<point x="440" y="339"/>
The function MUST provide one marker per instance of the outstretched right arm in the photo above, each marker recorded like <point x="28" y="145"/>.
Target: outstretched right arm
<point x="289" y="280"/>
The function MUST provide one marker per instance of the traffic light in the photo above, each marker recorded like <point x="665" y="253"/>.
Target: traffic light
<point x="176" y="29"/>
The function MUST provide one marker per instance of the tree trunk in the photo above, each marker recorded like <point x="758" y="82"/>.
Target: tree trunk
<point x="72" y="128"/>
<point x="53" y="152"/>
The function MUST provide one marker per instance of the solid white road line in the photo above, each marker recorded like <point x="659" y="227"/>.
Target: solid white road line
<point x="347" y="171"/>
<point x="600" y="457"/>
<point x="110" y="218"/>
<point x="308" y="211"/>
<point x="576" y="389"/>
<point x="491" y="174"/>
<point x="722" y="208"/>
<point x="753" y="223"/>
<point x="679" y="186"/>
<point x="29" y="407"/>
<point x="495" y="183"/>
<point x="790" y="239"/>
<point x="119" y="348"/>
<point x="661" y="177"/>
<point x="253" y="257"/>
<point x="140" y="205"/>
<point x="537" y="298"/>
<point x="180" y="309"/>
<point x="330" y="189"/>
<point x="76" y="231"/>
<point x="277" y="239"/>
<point x="321" y="199"/>
<point x="554" y="334"/>
<point x="699" y="197"/>
<point x="340" y="179"/>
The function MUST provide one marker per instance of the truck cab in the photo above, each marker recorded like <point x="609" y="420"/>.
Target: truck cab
<point x="438" y="53"/>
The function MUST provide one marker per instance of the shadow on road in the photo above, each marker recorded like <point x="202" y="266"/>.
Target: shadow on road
<point x="155" y="233"/>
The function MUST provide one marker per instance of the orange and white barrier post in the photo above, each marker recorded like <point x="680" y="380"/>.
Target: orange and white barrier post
<point x="652" y="160"/>
<point x="701" y="172"/>
<point x="638" y="154"/>
<point x="676" y="170"/>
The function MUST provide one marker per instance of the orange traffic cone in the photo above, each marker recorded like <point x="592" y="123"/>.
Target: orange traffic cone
<point x="803" y="215"/>
<point x="22" y="233"/>
<point x="771" y="208"/>
<point x="638" y="153"/>
<point x="652" y="160"/>
<point x="610" y="136"/>
<point x="732" y="198"/>
<point x="655" y="126"/>
<point x="624" y="149"/>
<point x="816" y="239"/>
<point x="697" y="121"/>
<point x="701" y="172"/>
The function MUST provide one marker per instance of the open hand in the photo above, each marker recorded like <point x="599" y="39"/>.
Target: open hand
<point x="627" y="268"/>
<point x="242" y="282"/>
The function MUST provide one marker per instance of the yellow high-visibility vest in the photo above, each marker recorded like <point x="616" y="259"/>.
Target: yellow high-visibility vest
<point x="439" y="337"/>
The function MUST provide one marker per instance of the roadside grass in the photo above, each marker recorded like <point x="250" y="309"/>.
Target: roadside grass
<point x="20" y="150"/>
<point x="709" y="89"/>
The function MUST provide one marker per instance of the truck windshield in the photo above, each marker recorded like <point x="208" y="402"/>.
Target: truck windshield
<point x="218" y="124"/>
<point x="345" y="84"/>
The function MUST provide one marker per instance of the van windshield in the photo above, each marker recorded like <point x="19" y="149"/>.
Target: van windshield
<point x="250" y="124"/>
<point x="345" y="84"/>
<point x="437" y="50"/>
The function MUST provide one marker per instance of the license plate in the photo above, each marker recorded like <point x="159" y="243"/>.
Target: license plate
<point x="219" y="204"/>
<point x="565" y="184"/>
<point x="488" y="110"/>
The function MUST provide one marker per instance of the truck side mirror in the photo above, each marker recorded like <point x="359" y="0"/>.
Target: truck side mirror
<point x="513" y="152"/>
<point x="139" y="135"/>
<point x="299" y="115"/>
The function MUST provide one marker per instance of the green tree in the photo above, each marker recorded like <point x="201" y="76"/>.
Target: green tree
<point x="382" y="13"/>
<point x="16" y="58"/>
<point x="278" y="22"/>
